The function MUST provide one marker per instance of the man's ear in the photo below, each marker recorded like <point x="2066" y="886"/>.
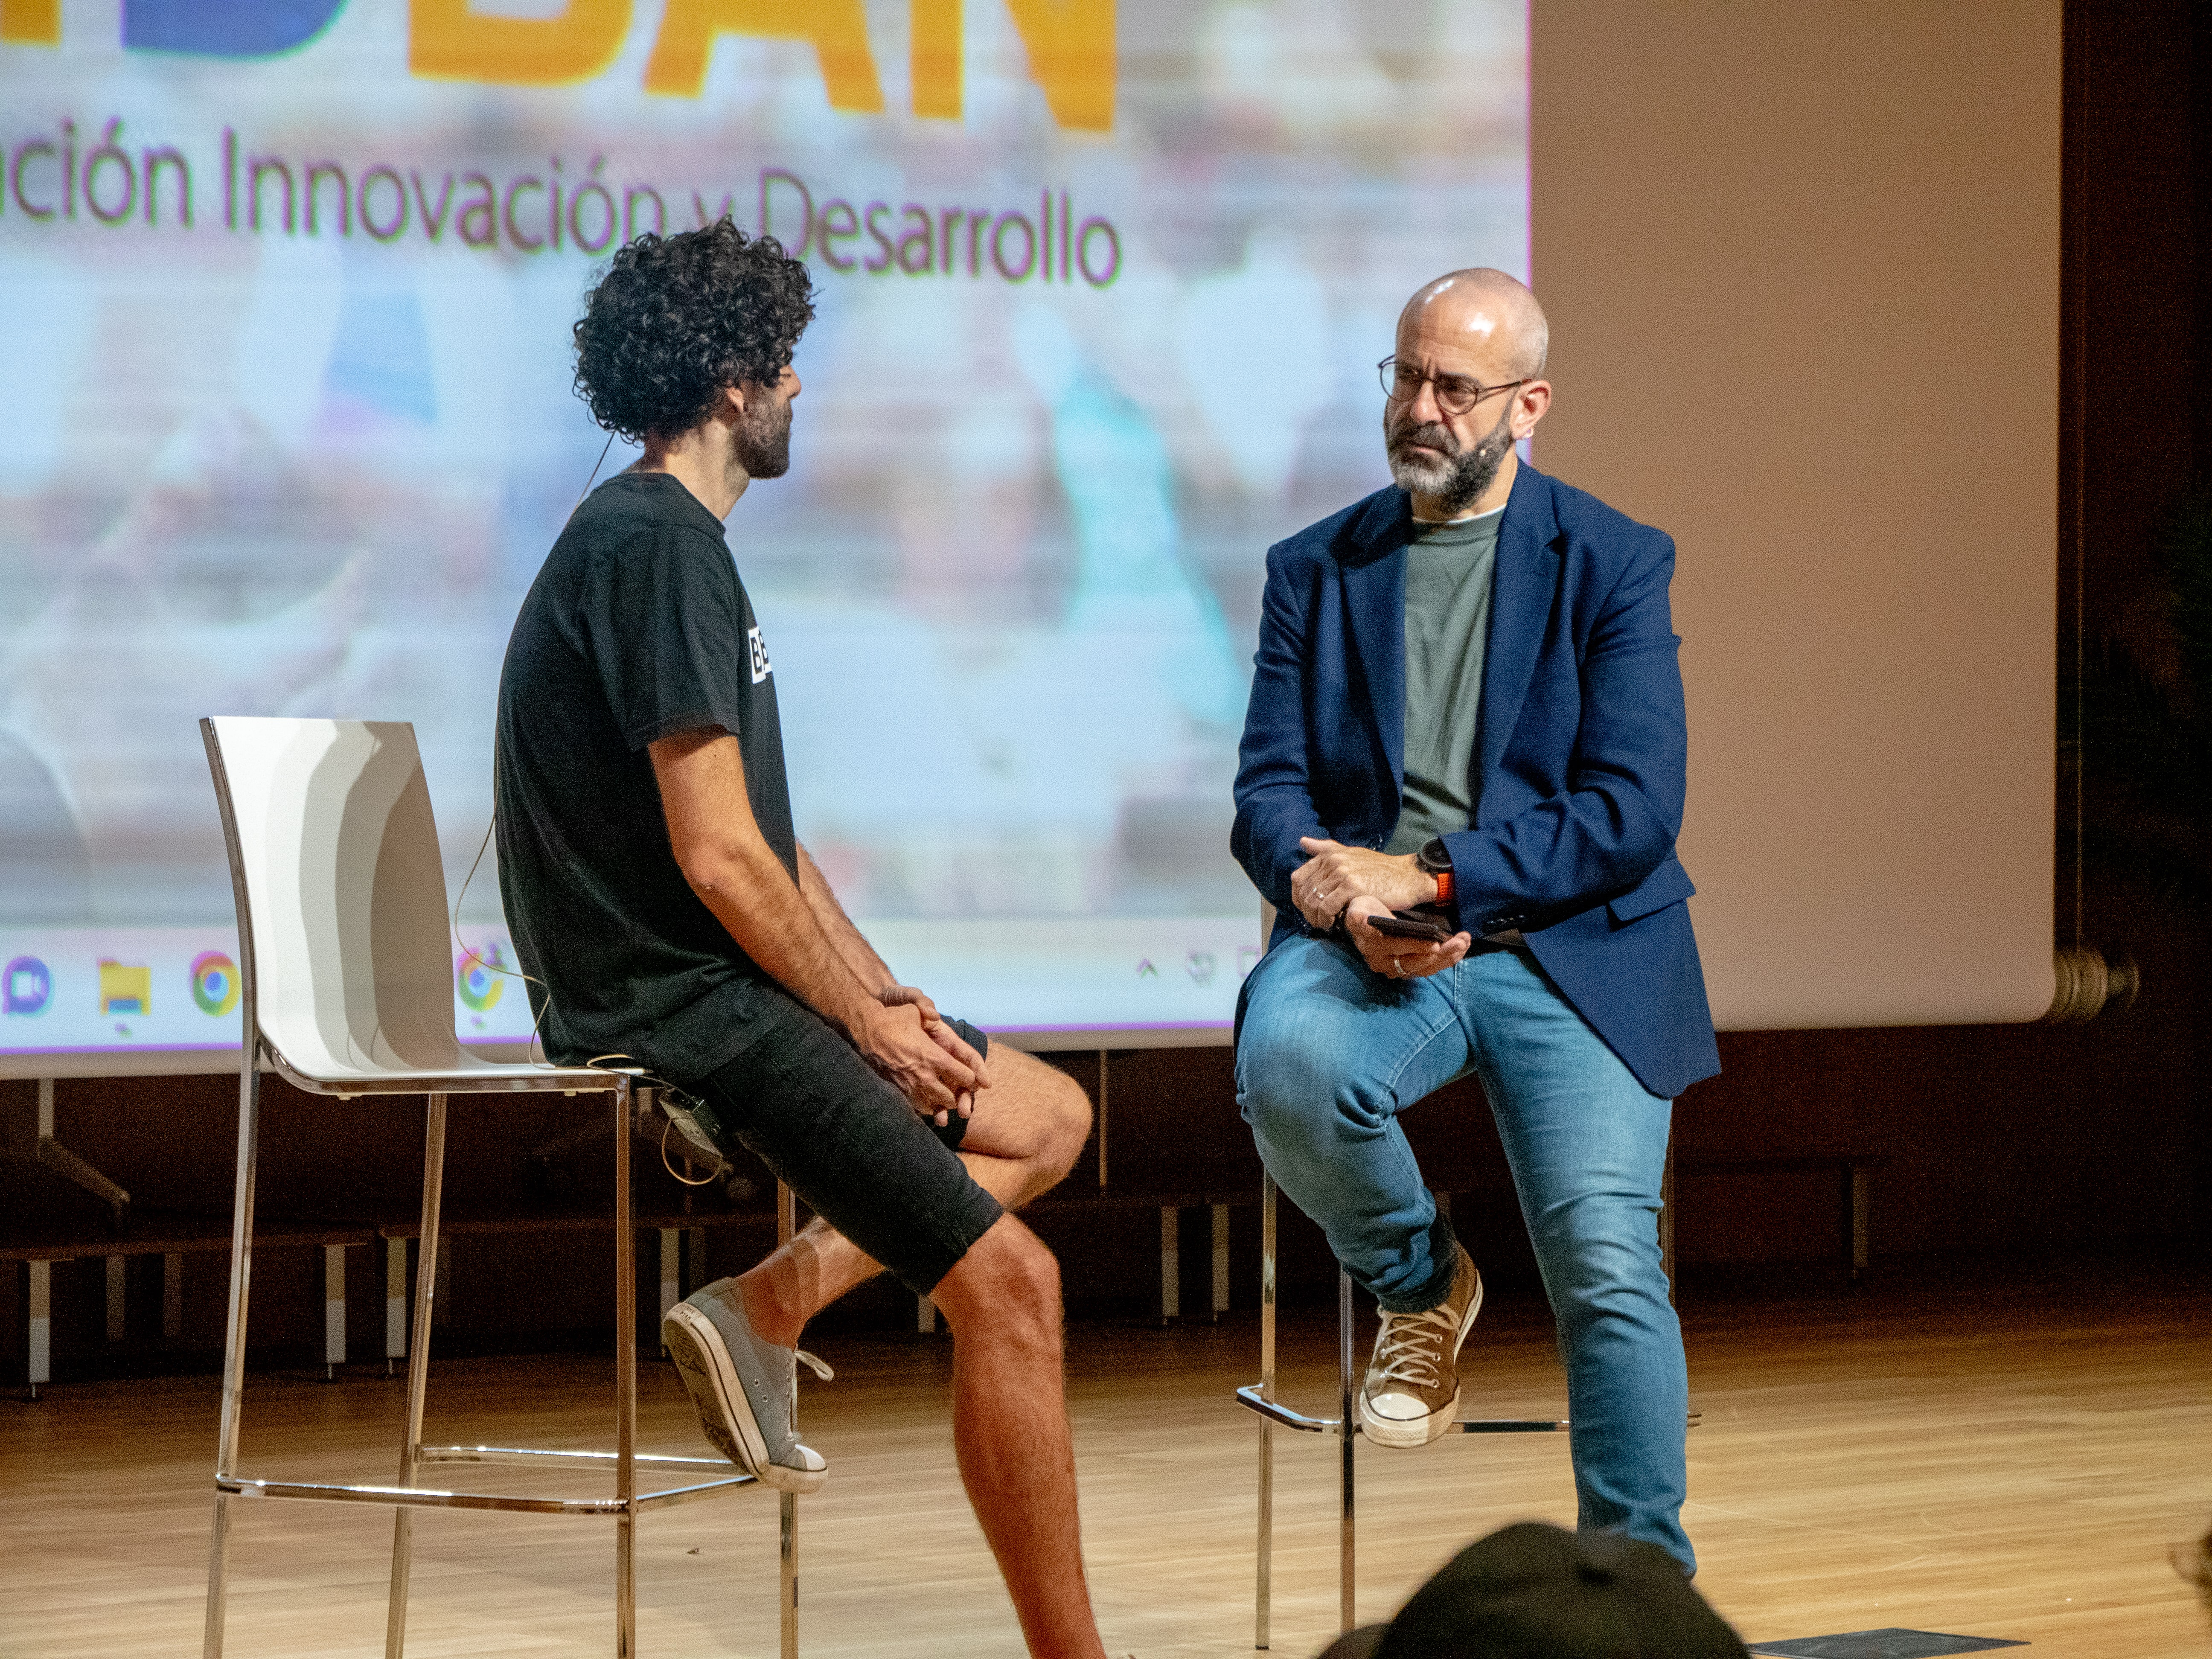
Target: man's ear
<point x="1529" y="405"/>
<point x="732" y="406"/>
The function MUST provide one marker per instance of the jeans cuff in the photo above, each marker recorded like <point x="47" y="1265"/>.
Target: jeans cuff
<point x="1443" y="1251"/>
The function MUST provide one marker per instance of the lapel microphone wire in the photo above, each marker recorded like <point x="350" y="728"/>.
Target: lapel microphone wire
<point x="596" y="466"/>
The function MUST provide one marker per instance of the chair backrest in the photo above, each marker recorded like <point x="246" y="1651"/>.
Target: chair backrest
<point x="341" y="895"/>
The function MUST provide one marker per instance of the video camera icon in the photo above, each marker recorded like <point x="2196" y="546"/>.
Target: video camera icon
<point x="26" y="987"/>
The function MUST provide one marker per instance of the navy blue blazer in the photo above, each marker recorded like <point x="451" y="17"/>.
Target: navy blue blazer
<point x="1579" y="763"/>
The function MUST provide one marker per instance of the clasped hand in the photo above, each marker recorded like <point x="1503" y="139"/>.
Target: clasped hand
<point x="1359" y="883"/>
<point x="911" y="1044"/>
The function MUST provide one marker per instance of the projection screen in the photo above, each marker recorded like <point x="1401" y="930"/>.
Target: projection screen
<point x="289" y="428"/>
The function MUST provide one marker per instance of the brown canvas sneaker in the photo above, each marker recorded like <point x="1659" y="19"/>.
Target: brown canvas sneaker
<point x="1412" y="1393"/>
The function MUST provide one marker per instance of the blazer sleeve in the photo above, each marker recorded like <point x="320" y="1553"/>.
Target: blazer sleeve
<point x="1274" y="800"/>
<point x="1616" y="820"/>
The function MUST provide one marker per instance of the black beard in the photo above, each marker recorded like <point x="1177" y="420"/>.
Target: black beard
<point x="763" y="440"/>
<point x="1470" y="472"/>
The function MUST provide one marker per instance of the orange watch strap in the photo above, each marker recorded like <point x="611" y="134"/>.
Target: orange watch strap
<point x="1443" y="886"/>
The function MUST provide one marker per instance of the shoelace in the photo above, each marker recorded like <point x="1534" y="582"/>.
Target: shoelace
<point x="791" y="1396"/>
<point x="1411" y="1347"/>
<point x="791" y="1389"/>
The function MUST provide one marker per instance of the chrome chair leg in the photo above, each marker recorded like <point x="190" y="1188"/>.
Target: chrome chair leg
<point x="786" y="1551"/>
<point x="234" y="1351"/>
<point x="218" y="1579"/>
<point x="403" y="1556"/>
<point x="1346" y="1429"/>
<point x="418" y="1372"/>
<point x="786" y="1506"/>
<point x="1264" y="1594"/>
<point x="625" y="1382"/>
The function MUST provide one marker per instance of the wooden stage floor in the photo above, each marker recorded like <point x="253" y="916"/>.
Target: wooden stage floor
<point x="2010" y="1462"/>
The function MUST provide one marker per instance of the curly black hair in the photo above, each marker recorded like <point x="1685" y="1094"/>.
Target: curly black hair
<point x="676" y="319"/>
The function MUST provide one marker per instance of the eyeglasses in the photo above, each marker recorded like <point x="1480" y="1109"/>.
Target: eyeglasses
<point x="1455" y="393"/>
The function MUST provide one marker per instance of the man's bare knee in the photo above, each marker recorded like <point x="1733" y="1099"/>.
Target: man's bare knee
<point x="1007" y="1278"/>
<point x="1067" y="1128"/>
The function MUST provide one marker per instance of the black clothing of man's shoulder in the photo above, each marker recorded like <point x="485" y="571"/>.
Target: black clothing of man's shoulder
<point x="636" y="628"/>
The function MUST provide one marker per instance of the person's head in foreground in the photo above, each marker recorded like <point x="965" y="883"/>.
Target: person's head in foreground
<point x="2194" y="1563"/>
<point x="1533" y="1591"/>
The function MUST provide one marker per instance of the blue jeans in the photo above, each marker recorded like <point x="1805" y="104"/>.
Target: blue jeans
<point x="1330" y="1054"/>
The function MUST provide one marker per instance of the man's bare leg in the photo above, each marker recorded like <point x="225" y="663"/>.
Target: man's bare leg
<point x="1029" y="1128"/>
<point x="1002" y="1300"/>
<point x="1010" y="1431"/>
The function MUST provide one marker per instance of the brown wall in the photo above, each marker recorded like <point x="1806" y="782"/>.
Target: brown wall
<point x="2136" y="370"/>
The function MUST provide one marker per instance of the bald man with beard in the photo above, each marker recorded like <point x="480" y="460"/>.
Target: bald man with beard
<point x="1460" y="782"/>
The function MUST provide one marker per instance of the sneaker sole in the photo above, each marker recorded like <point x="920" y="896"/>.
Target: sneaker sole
<point x="1404" y="1434"/>
<point x="726" y="1416"/>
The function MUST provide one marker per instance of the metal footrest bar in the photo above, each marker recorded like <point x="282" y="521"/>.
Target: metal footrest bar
<point x="1275" y="1412"/>
<point x="432" y="1497"/>
<point x="531" y="1457"/>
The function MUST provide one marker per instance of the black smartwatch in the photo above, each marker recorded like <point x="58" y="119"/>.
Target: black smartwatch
<point x="1432" y="860"/>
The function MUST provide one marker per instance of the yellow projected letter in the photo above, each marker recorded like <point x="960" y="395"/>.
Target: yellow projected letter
<point x="838" y="28"/>
<point x="936" y="63"/>
<point x="31" y="22"/>
<point x="1070" y="46"/>
<point x="446" y="41"/>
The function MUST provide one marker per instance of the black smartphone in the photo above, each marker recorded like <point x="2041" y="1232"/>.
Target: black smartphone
<point x="1413" y="924"/>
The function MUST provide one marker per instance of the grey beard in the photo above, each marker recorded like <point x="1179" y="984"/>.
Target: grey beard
<point x="1458" y="481"/>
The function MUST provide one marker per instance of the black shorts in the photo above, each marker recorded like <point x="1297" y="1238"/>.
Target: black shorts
<point x="801" y="1099"/>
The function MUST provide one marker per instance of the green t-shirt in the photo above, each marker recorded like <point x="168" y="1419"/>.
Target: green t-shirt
<point x="1448" y="579"/>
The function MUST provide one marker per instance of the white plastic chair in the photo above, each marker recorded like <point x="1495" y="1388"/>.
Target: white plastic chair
<point x="347" y="989"/>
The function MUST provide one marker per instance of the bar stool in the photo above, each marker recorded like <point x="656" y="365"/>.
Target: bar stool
<point x="347" y="988"/>
<point x="1259" y="1397"/>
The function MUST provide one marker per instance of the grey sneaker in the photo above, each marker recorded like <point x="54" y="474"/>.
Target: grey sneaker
<point x="744" y="1389"/>
<point x="1411" y="1395"/>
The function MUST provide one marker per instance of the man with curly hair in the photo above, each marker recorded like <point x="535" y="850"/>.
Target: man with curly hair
<point x="662" y="903"/>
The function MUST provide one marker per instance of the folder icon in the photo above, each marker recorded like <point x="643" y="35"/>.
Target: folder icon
<point x="124" y="990"/>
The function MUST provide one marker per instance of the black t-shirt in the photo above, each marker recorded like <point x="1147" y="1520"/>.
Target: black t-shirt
<point x="637" y="627"/>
